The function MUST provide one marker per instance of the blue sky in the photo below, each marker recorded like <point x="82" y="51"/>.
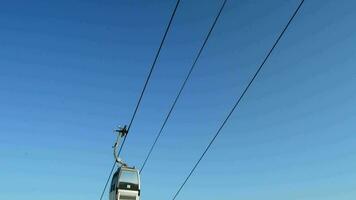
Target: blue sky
<point x="70" y="71"/>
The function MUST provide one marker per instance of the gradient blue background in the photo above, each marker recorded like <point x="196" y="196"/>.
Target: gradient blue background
<point x="70" y="71"/>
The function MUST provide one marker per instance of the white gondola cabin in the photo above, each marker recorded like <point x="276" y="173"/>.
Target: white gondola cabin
<point x="125" y="184"/>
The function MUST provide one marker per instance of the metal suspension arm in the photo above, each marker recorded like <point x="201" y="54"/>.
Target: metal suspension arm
<point x="121" y="132"/>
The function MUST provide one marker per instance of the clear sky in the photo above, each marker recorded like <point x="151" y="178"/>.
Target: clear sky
<point x="71" y="71"/>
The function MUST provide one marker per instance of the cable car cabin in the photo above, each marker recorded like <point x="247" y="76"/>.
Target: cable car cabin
<point x="125" y="184"/>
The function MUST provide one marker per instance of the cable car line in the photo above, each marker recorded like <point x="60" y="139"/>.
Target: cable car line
<point x="183" y="85"/>
<point x="239" y="99"/>
<point x="107" y="181"/>
<point x="153" y="64"/>
<point x="151" y="70"/>
<point x="143" y="89"/>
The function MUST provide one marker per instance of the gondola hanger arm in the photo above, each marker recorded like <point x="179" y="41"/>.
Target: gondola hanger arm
<point x="121" y="132"/>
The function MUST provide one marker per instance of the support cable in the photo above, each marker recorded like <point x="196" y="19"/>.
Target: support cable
<point x="183" y="85"/>
<point x="238" y="100"/>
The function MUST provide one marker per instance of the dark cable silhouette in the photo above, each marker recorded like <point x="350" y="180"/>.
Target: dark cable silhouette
<point x="183" y="85"/>
<point x="238" y="100"/>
